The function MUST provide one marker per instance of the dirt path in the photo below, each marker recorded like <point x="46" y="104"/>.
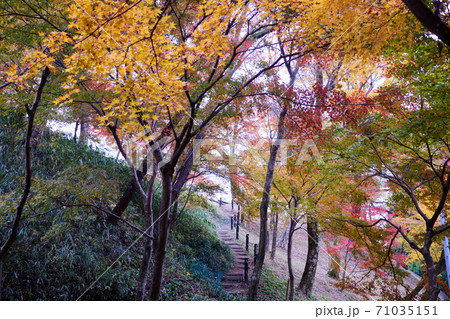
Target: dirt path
<point x="233" y="279"/>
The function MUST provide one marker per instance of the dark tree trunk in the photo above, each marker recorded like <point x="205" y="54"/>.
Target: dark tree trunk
<point x="147" y="257"/>
<point x="164" y="212"/>
<point x="181" y="178"/>
<point x="309" y="273"/>
<point x="440" y="267"/>
<point x="274" y="236"/>
<point x="143" y="271"/>
<point x="257" y="270"/>
<point x="156" y="232"/>
<point x="126" y="197"/>
<point x="36" y="136"/>
<point x="31" y="112"/>
<point x="122" y="204"/>
<point x="75" y="132"/>
<point x="289" y="259"/>
<point x="433" y="290"/>
<point x="429" y="20"/>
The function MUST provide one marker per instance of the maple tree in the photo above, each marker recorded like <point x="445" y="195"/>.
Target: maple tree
<point x="170" y="79"/>
<point x="159" y="75"/>
<point x="25" y="73"/>
<point x="401" y="143"/>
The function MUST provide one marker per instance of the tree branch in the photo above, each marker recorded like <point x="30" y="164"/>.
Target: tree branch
<point x="429" y="20"/>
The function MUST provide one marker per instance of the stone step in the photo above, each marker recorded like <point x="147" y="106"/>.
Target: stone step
<point x="235" y="274"/>
<point x="242" y="258"/>
<point x="233" y="284"/>
<point x="240" y="254"/>
<point x="232" y="277"/>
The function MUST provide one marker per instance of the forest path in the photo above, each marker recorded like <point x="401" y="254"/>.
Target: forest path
<point x="233" y="280"/>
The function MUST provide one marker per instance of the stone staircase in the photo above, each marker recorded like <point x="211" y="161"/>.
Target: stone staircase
<point x="233" y="279"/>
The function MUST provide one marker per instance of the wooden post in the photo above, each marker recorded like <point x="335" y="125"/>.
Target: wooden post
<point x="246" y="242"/>
<point x="246" y="270"/>
<point x="237" y="231"/>
<point x="231" y="222"/>
<point x="235" y="223"/>
<point x="220" y="201"/>
<point x="237" y="218"/>
<point x="256" y="253"/>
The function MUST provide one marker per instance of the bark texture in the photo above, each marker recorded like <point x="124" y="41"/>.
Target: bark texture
<point x="274" y="236"/>
<point x="148" y="248"/>
<point x="257" y="270"/>
<point x="289" y="260"/>
<point x="164" y="213"/>
<point x="309" y="273"/>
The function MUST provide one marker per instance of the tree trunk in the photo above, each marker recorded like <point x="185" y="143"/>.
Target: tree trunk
<point x="282" y="240"/>
<point x="160" y="254"/>
<point x="126" y="197"/>
<point x="309" y="273"/>
<point x="440" y="267"/>
<point x="147" y="257"/>
<point x="429" y="20"/>
<point x="274" y="236"/>
<point x="84" y="128"/>
<point x="289" y="260"/>
<point x="145" y="265"/>
<point x="257" y="270"/>
<point x="75" y="132"/>
<point x="122" y="204"/>
<point x="31" y="112"/>
<point x="433" y="290"/>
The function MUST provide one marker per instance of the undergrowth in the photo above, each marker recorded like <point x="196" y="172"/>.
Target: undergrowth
<point x="66" y="253"/>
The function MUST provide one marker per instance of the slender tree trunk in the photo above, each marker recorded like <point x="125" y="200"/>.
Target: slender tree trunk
<point x="31" y="112"/>
<point x="309" y="273"/>
<point x="274" y="236"/>
<point x="282" y="240"/>
<point x="84" y="128"/>
<point x="289" y="260"/>
<point x="143" y="272"/>
<point x="156" y="232"/>
<point x="257" y="270"/>
<point x="164" y="212"/>
<point x="75" y="132"/>
<point x="127" y="196"/>
<point x="122" y="204"/>
<point x="147" y="257"/>
<point x="433" y="290"/>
